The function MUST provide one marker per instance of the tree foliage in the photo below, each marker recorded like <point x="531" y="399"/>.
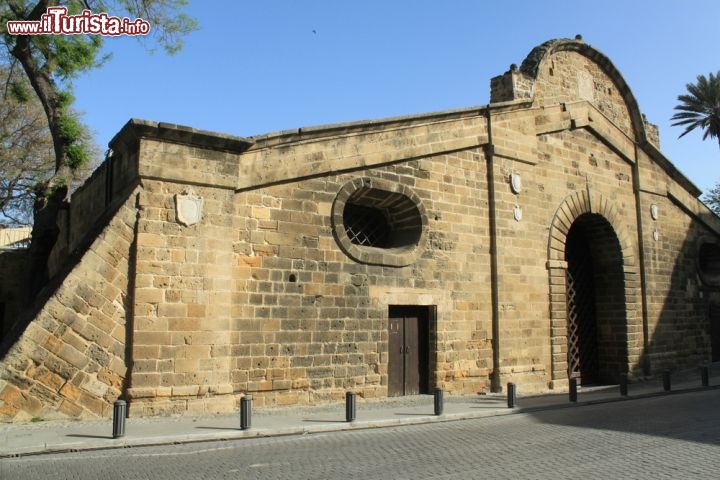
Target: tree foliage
<point x="700" y="107"/>
<point x="712" y="199"/>
<point x="26" y="150"/>
<point x="50" y="63"/>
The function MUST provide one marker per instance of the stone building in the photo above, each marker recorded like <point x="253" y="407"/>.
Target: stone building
<point x="540" y="237"/>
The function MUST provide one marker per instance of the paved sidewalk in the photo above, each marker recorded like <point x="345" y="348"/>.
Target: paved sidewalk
<point x="61" y="436"/>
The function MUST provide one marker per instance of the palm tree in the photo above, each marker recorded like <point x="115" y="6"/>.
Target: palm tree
<point x="701" y="107"/>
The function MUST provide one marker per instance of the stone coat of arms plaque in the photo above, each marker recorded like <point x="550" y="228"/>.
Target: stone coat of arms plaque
<point x="188" y="208"/>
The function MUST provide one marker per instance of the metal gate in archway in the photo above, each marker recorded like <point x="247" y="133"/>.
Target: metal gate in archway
<point x="582" y="331"/>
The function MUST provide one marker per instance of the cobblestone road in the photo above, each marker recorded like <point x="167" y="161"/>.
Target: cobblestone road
<point x="673" y="436"/>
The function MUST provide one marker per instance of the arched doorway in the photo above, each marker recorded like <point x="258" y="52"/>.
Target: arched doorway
<point x="597" y="327"/>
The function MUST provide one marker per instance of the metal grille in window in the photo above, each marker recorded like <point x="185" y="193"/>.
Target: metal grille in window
<point x="366" y="226"/>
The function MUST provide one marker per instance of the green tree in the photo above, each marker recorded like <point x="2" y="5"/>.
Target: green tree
<point x="700" y="107"/>
<point x="712" y="199"/>
<point x="26" y="150"/>
<point x="50" y="63"/>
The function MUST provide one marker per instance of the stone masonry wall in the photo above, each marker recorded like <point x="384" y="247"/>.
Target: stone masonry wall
<point x="264" y="294"/>
<point x="675" y="302"/>
<point x="259" y="299"/>
<point x="321" y="317"/>
<point x="90" y="203"/>
<point x="70" y="360"/>
<point x="182" y="303"/>
<point x="678" y="326"/>
<point x="569" y="76"/>
<point x="558" y="164"/>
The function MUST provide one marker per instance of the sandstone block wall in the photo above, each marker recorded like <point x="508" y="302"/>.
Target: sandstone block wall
<point x="71" y="359"/>
<point x="229" y="270"/>
<point x="678" y="293"/>
<point x="259" y="299"/>
<point x="91" y="203"/>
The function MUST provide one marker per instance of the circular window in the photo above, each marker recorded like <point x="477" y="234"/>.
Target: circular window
<point x="367" y="226"/>
<point x="379" y="222"/>
<point x="709" y="263"/>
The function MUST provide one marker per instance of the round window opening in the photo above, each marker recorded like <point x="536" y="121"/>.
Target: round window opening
<point x="379" y="223"/>
<point x="709" y="263"/>
<point x="381" y="219"/>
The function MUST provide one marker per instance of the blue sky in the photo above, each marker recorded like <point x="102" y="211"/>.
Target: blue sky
<point x="258" y="66"/>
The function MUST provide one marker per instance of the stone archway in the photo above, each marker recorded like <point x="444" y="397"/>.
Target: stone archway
<point x="596" y="299"/>
<point x="594" y="217"/>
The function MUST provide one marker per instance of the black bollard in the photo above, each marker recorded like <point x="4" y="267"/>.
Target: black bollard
<point x="511" y="395"/>
<point x="438" y="401"/>
<point x="573" y="389"/>
<point x="624" y="385"/>
<point x="350" y="406"/>
<point x="119" y="414"/>
<point x="666" y="380"/>
<point x="245" y="412"/>
<point x="705" y="375"/>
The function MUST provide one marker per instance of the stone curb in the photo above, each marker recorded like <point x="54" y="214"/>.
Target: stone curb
<point x="336" y="426"/>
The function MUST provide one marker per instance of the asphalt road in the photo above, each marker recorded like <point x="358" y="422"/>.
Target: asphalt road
<point x="674" y="436"/>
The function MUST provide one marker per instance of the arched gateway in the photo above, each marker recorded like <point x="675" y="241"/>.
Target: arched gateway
<point x="596" y="331"/>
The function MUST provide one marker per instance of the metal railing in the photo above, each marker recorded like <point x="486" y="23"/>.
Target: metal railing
<point x="15" y="238"/>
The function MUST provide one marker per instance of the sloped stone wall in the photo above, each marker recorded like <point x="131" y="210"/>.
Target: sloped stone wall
<point x="71" y="359"/>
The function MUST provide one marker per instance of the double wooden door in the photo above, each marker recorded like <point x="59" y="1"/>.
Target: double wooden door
<point x="408" y="346"/>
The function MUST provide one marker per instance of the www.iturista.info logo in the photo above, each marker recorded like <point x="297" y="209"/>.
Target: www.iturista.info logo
<point x="57" y="22"/>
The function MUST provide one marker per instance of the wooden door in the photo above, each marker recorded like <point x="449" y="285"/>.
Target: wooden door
<point x="396" y="356"/>
<point x="408" y="349"/>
